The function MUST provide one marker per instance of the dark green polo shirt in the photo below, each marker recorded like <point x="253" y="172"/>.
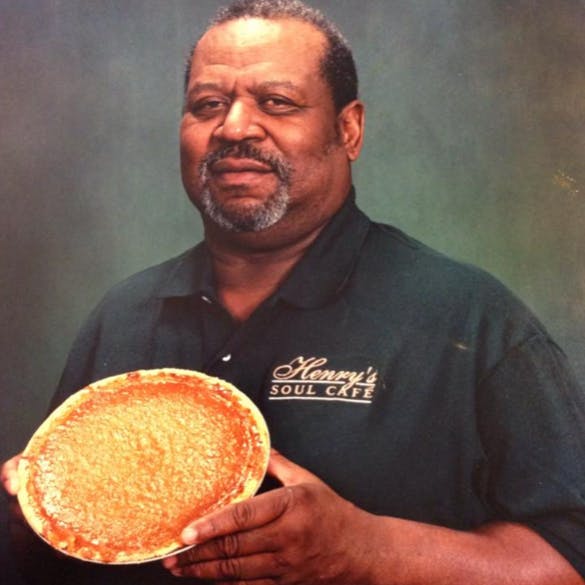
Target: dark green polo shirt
<point x="414" y="385"/>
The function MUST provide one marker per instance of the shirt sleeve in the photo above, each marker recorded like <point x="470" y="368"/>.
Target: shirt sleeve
<point x="531" y="414"/>
<point x="119" y="336"/>
<point x="80" y="365"/>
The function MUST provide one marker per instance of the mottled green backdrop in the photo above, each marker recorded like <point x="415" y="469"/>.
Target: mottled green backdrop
<point x="475" y="144"/>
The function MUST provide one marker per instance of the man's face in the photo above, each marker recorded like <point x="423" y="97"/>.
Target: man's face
<point x="260" y="136"/>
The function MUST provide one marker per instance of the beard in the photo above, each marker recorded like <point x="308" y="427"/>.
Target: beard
<point x="252" y="218"/>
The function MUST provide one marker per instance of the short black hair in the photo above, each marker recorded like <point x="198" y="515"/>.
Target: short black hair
<point x="337" y="65"/>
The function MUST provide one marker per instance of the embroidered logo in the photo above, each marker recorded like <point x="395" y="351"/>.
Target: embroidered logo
<point x="313" y="379"/>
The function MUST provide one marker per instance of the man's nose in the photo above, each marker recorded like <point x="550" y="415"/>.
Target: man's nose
<point x="240" y="123"/>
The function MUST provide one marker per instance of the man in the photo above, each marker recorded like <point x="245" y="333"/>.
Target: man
<point x="436" y="432"/>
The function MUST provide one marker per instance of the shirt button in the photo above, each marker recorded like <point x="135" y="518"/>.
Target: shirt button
<point x="227" y="357"/>
<point x="206" y="299"/>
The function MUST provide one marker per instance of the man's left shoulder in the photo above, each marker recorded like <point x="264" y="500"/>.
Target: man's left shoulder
<point x="394" y="253"/>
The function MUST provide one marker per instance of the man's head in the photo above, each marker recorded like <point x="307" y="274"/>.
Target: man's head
<point x="265" y="146"/>
<point x="337" y="64"/>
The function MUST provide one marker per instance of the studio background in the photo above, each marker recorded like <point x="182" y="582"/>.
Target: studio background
<point x="475" y="144"/>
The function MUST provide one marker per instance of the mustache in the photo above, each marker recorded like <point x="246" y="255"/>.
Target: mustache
<point x="279" y="165"/>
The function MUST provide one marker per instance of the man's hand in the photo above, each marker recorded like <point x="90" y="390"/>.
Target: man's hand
<point x="9" y="475"/>
<point x="18" y="528"/>
<point x="300" y="533"/>
<point x="9" y="479"/>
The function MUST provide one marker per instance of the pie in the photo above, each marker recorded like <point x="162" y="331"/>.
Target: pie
<point x="122" y="466"/>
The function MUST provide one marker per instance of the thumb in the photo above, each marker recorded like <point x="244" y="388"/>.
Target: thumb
<point x="9" y="475"/>
<point x="287" y="472"/>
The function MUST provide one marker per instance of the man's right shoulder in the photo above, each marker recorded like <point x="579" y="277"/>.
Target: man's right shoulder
<point x="151" y="282"/>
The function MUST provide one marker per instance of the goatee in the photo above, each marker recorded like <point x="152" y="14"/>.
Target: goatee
<point x="251" y="218"/>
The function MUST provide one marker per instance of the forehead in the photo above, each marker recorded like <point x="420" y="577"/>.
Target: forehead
<point x="256" y="45"/>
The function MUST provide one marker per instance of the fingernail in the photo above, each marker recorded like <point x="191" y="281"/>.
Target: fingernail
<point x="169" y="562"/>
<point x="189" y="535"/>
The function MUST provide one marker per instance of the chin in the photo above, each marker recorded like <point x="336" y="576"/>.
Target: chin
<point x="240" y="216"/>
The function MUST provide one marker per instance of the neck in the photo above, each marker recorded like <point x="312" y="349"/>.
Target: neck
<point x="246" y="276"/>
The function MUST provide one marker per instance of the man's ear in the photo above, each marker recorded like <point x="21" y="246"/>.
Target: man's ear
<point x="351" y="123"/>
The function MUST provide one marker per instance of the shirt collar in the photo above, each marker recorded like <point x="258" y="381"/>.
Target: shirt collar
<point x="320" y="274"/>
<point x="190" y="275"/>
<point x="326" y="267"/>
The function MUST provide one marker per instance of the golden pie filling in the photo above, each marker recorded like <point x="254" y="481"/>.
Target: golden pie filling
<point x="121" y="467"/>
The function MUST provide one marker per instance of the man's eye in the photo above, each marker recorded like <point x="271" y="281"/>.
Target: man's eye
<point x="208" y="107"/>
<point x="278" y="105"/>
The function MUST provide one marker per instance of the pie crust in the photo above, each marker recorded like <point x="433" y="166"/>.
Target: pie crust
<point x="116" y="472"/>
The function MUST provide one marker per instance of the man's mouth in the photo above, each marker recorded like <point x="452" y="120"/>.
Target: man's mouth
<point x="244" y="166"/>
<point x="240" y="165"/>
<point x="232" y="172"/>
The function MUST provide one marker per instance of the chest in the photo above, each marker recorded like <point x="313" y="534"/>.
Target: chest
<point x="381" y="409"/>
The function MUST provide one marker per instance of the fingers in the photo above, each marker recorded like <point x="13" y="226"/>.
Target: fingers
<point x="287" y="472"/>
<point x="242" y="541"/>
<point x="9" y="475"/>
<point x="266" y="566"/>
<point x="254" y="582"/>
<point x="247" y="515"/>
<point x="255" y="512"/>
<point x="231" y="546"/>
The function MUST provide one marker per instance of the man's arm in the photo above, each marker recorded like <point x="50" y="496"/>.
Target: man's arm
<point x="305" y="533"/>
